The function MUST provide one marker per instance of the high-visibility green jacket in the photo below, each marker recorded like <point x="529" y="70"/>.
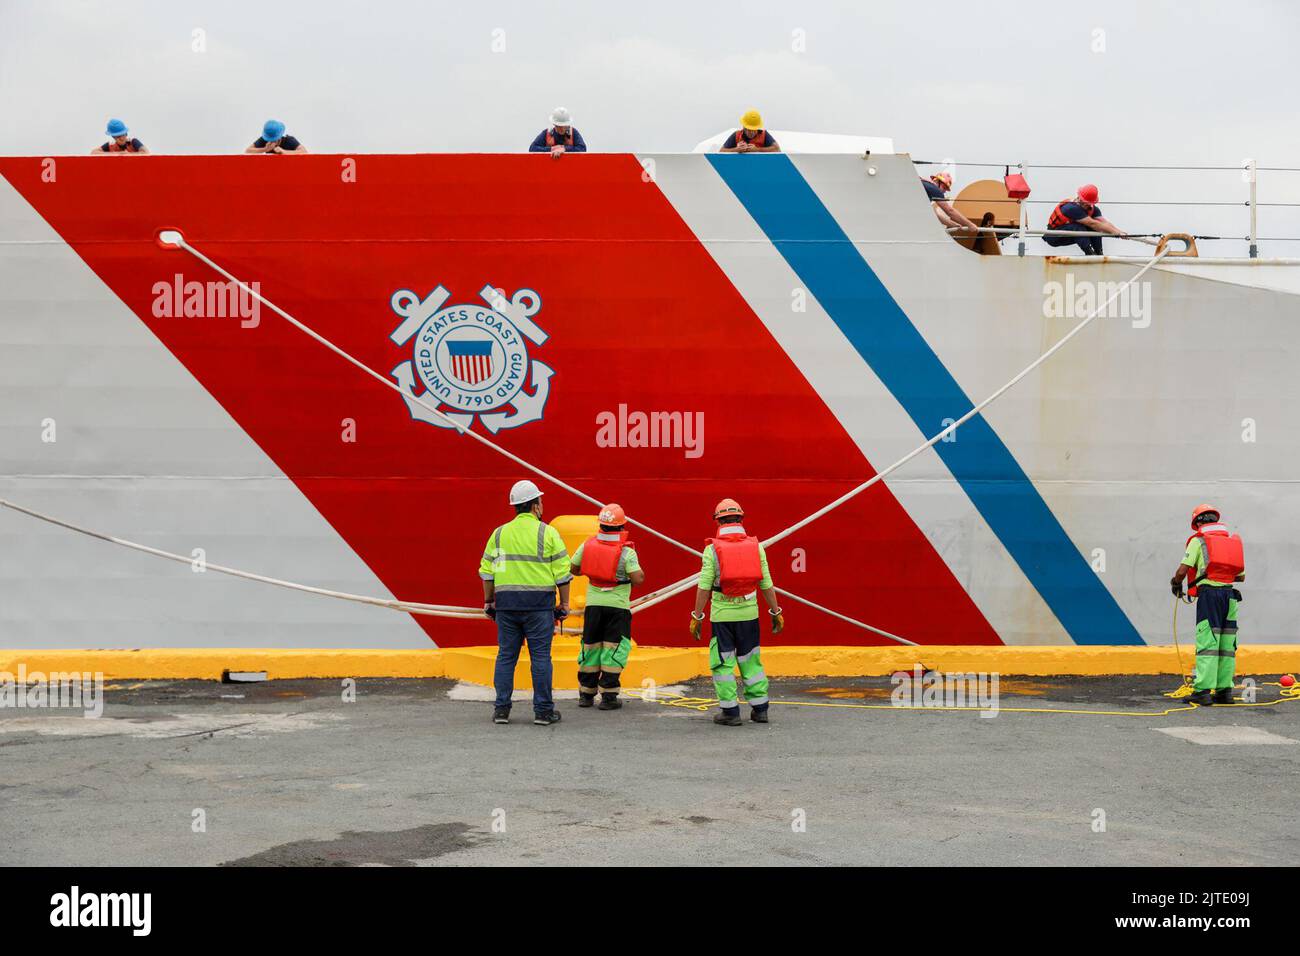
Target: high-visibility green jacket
<point x="526" y="561"/>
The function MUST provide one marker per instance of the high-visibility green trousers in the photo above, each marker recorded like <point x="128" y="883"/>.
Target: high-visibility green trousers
<point x="735" y="644"/>
<point x="602" y="655"/>
<point x="1216" y="638"/>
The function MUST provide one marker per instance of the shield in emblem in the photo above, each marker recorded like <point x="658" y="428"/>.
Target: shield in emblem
<point x="471" y="360"/>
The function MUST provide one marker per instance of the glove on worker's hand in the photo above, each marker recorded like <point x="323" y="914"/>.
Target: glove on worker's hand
<point x="778" y="621"/>
<point x="1176" y="586"/>
<point x="695" y="626"/>
<point x="490" y="609"/>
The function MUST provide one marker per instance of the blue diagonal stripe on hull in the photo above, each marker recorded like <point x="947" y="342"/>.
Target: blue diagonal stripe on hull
<point x="805" y="233"/>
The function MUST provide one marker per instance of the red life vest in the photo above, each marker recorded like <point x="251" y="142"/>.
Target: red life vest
<point x="1225" y="556"/>
<point x="759" y="140"/>
<point x="740" y="564"/>
<point x="550" y="138"/>
<point x="1058" y="219"/>
<point x="600" y="556"/>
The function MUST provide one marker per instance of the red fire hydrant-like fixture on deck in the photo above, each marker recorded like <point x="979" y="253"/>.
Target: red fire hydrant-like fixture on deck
<point x="992" y="205"/>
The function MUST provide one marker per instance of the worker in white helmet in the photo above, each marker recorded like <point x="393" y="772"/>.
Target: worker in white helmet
<point x="524" y="563"/>
<point x="560" y="137"/>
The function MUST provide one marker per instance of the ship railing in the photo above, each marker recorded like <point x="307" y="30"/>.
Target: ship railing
<point x="1150" y="238"/>
<point x="1249" y="170"/>
<point x="1159" y="240"/>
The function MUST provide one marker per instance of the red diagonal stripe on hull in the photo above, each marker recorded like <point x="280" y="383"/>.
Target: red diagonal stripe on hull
<point x="334" y="254"/>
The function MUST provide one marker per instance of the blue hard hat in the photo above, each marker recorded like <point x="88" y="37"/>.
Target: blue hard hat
<point x="116" y="128"/>
<point x="272" y="131"/>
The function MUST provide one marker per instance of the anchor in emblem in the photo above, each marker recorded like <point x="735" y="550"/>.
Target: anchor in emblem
<point x="472" y="359"/>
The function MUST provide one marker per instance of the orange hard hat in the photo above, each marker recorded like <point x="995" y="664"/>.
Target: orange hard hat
<point x="1088" y="192"/>
<point x="727" y="508"/>
<point x="1202" y="510"/>
<point x="612" y="515"/>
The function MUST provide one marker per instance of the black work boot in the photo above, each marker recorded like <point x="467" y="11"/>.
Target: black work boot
<point x="1223" y="695"/>
<point x="586" y="700"/>
<point x="758" y="716"/>
<point x="1201" y="697"/>
<point x="609" y="702"/>
<point x="728" y="718"/>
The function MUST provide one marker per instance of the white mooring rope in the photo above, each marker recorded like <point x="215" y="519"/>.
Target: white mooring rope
<point x="433" y="610"/>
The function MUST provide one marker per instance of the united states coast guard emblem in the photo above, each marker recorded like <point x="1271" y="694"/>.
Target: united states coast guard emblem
<point x="472" y="360"/>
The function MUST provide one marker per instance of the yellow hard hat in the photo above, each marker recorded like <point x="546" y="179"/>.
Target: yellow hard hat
<point x="752" y="119"/>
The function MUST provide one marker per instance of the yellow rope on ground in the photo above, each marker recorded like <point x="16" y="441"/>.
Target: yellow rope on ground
<point x="705" y="703"/>
<point x="1185" y="688"/>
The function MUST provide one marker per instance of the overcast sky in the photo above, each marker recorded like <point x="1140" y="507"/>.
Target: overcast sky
<point x="1198" y="83"/>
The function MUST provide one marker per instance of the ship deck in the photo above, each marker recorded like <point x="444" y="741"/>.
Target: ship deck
<point x="413" y="772"/>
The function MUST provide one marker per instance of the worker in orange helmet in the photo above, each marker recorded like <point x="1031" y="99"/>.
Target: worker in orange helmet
<point x="936" y="190"/>
<point x="1080" y="214"/>
<point x="609" y="562"/>
<point x="1213" y="562"/>
<point x="733" y="571"/>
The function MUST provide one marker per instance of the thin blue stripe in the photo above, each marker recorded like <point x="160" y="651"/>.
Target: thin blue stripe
<point x="788" y="210"/>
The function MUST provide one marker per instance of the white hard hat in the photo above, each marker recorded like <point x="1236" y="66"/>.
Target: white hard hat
<point x="560" y="117"/>
<point x="524" y="491"/>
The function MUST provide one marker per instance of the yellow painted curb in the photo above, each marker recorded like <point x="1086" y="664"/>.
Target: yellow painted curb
<point x="1037" y="661"/>
<point x="663" y="665"/>
<point x="207" y="663"/>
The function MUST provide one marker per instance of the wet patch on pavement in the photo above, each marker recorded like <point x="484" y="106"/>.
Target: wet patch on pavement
<point x="144" y="693"/>
<point x="370" y="848"/>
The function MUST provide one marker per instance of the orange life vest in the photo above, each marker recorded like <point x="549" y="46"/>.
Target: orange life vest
<point x="759" y="140"/>
<point x="600" y="556"/>
<point x="740" y="563"/>
<point x="1058" y="219"/>
<point x="1225" y="556"/>
<point x="551" y="140"/>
